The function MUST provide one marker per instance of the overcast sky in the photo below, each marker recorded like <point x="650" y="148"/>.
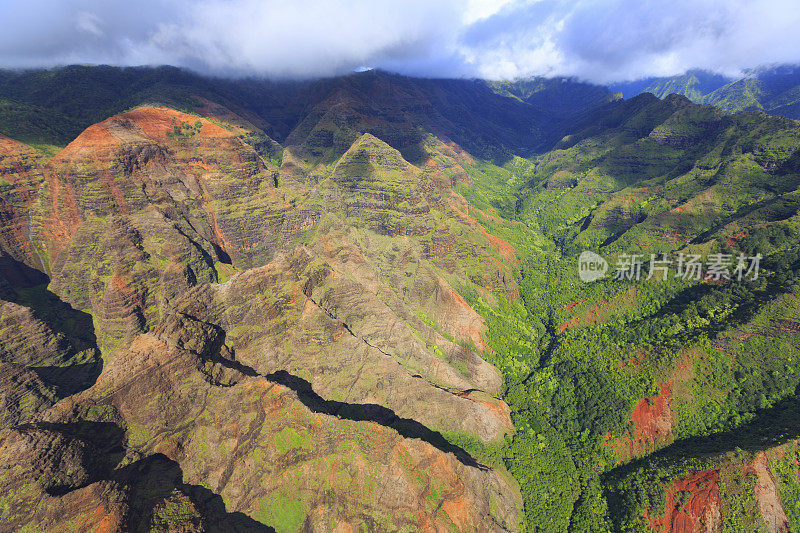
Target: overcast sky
<point x="596" y="40"/>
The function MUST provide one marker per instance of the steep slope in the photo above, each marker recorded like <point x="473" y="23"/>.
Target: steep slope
<point x="322" y="117"/>
<point x="565" y="97"/>
<point x="133" y="212"/>
<point x="328" y="286"/>
<point x="698" y="170"/>
<point x="22" y="177"/>
<point x="48" y="349"/>
<point x="241" y="334"/>
<point x="313" y="322"/>
<point x="694" y="84"/>
<point x="671" y="387"/>
<point x="773" y="89"/>
<point x="105" y="457"/>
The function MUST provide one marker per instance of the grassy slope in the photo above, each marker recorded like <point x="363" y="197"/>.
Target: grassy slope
<point x="645" y="176"/>
<point x="469" y="112"/>
<point x="642" y="175"/>
<point x="774" y="90"/>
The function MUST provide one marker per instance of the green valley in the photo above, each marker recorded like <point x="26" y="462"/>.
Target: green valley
<point x="354" y="304"/>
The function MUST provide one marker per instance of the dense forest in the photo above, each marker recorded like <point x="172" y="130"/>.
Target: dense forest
<point x="648" y="177"/>
<point x="274" y="231"/>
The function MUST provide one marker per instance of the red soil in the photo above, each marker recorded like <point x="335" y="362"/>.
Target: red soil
<point x="150" y="122"/>
<point x="96" y="148"/>
<point x="589" y="315"/>
<point x="489" y="216"/>
<point x="156" y="122"/>
<point x="734" y="238"/>
<point x="88" y="142"/>
<point x="459" y="318"/>
<point x="653" y="422"/>
<point x="699" y="510"/>
<point x="569" y="323"/>
<point x="16" y="162"/>
<point x="110" y="184"/>
<point x="12" y="147"/>
<point x="457" y="511"/>
<point x="65" y="216"/>
<point x="499" y="409"/>
<point x="460" y="153"/>
<point x="505" y="249"/>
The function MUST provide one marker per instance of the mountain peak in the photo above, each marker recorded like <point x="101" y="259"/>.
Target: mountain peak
<point x="9" y="146"/>
<point x="370" y="157"/>
<point x="143" y="124"/>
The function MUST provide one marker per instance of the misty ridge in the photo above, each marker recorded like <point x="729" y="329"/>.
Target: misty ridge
<point x="600" y="42"/>
<point x="463" y="265"/>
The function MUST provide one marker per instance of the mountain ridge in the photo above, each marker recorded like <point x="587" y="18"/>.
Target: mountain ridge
<point x="772" y="89"/>
<point x="343" y="317"/>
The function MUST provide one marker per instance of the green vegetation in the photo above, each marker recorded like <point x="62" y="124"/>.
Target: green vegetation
<point x="51" y="107"/>
<point x="771" y="89"/>
<point x="284" y="513"/>
<point x="34" y="125"/>
<point x="740" y="510"/>
<point x="577" y="358"/>
<point x="783" y="464"/>
<point x="290" y="439"/>
<point x="617" y="388"/>
<point x="184" y="131"/>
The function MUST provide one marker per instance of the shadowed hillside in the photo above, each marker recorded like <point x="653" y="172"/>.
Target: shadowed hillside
<point x="772" y="89"/>
<point x="354" y="304"/>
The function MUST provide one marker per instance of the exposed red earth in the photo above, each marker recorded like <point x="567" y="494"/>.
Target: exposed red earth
<point x="693" y="505"/>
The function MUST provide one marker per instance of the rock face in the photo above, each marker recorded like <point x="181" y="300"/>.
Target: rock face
<point x="21" y="176"/>
<point x="150" y="187"/>
<point x="281" y="345"/>
<point x="269" y="447"/>
<point x="299" y="315"/>
<point x="22" y="394"/>
<point x="44" y="355"/>
<point x="768" y="497"/>
<point x="693" y="504"/>
<point x="148" y="203"/>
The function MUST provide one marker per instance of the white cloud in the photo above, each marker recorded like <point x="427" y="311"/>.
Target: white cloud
<point x="613" y="40"/>
<point x="89" y="22"/>
<point x="599" y="40"/>
<point x="479" y="9"/>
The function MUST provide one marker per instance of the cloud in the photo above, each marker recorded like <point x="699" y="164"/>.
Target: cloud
<point x="479" y="9"/>
<point x="598" y="40"/>
<point x="615" y="40"/>
<point x="90" y="23"/>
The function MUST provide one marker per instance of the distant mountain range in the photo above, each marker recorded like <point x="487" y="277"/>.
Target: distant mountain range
<point x="52" y="107"/>
<point x="774" y="90"/>
<point x="354" y="304"/>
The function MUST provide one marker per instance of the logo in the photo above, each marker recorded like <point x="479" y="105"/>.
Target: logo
<point x="719" y="267"/>
<point x="591" y="266"/>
